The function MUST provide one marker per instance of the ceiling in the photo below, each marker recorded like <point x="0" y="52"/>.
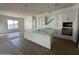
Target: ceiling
<point x="33" y="8"/>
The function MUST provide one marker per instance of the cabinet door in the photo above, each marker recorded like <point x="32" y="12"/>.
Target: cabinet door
<point x="59" y="24"/>
<point x="40" y="21"/>
<point x="68" y="16"/>
<point x="59" y="21"/>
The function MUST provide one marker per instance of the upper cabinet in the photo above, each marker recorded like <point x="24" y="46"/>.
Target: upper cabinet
<point x="59" y="21"/>
<point x="40" y="21"/>
<point x="68" y="16"/>
<point x="54" y="19"/>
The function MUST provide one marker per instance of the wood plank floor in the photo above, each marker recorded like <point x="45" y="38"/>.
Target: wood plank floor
<point x="59" y="47"/>
<point x="29" y="48"/>
<point x="64" y="47"/>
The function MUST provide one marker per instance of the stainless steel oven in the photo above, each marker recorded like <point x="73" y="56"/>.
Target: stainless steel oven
<point x="67" y="28"/>
<point x="67" y="24"/>
<point x="67" y="31"/>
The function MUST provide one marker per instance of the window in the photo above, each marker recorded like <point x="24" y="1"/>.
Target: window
<point x="12" y="24"/>
<point x="15" y="24"/>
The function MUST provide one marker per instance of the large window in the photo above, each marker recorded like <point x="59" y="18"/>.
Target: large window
<point x="12" y="24"/>
<point x="15" y="23"/>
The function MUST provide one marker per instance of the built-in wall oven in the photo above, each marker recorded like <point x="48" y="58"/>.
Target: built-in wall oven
<point x="67" y="28"/>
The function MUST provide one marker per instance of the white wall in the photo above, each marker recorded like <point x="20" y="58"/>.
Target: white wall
<point x="3" y="27"/>
<point x="76" y="22"/>
<point x="28" y="23"/>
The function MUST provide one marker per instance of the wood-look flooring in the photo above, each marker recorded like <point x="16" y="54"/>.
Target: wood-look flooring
<point x="29" y="48"/>
<point x="59" y="47"/>
<point x="64" y="47"/>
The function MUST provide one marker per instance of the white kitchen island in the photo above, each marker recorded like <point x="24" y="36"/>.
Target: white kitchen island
<point x="41" y="37"/>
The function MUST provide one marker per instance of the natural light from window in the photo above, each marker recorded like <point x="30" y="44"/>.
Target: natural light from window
<point x="12" y="24"/>
<point x="15" y="24"/>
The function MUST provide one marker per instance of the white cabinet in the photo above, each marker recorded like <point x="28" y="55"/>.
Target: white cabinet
<point x="68" y="16"/>
<point x="59" y="21"/>
<point x="59" y="24"/>
<point x="40" y="21"/>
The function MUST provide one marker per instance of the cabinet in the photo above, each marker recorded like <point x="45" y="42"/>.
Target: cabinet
<point x="40" y="21"/>
<point x="59" y="21"/>
<point x="68" y="16"/>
